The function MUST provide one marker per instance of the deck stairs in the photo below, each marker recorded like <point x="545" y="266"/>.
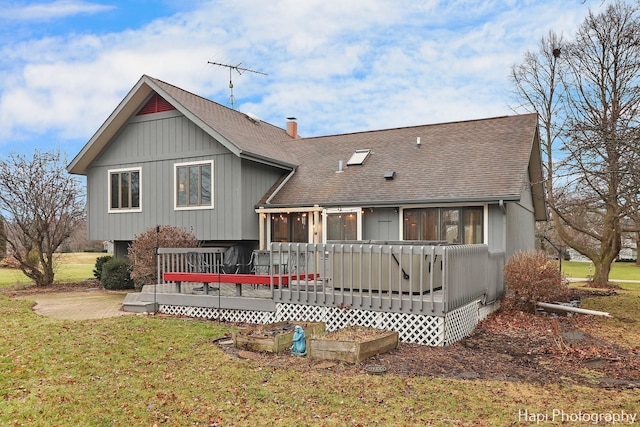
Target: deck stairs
<point x="133" y="303"/>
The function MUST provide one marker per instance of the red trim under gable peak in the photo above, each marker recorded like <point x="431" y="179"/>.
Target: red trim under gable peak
<point x="156" y="104"/>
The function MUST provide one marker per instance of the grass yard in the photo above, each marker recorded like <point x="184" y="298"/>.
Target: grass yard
<point x="619" y="270"/>
<point x="72" y="267"/>
<point x="145" y="371"/>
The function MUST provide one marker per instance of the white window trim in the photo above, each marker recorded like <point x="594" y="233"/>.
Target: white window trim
<point x="329" y="211"/>
<point x="123" y="210"/>
<point x="175" y="184"/>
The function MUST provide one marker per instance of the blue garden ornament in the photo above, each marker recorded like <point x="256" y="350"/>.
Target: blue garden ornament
<point x="299" y="347"/>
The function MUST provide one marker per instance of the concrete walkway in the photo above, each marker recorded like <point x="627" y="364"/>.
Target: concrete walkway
<point x="89" y="304"/>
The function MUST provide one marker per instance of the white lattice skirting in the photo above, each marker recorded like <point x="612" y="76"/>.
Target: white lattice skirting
<point x="413" y="328"/>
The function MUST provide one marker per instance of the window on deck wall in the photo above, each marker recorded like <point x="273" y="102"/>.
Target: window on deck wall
<point x="290" y="227"/>
<point x="124" y="190"/>
<point x="342" y="224"/>
<point x="193" y="183"/>
<point x="453" y="225"/>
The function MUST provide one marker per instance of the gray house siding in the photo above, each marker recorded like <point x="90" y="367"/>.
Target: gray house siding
<point x="381" y="224"/>
<point x="497" y="221"/>
<point x="155" y="143"/>
<point x="256" y="181"/>
<point x="520" y="226"/>
<point x="512" y="227"/>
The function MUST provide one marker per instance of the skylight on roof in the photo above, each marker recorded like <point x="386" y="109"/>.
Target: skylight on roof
<point x="358" y="157"/>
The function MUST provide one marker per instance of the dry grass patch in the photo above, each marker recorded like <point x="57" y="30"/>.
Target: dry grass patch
<point x="355" y="333"/>
<point x="623" y="327"/>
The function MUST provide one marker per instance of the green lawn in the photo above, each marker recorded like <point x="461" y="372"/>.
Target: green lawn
<point x="619" y="270"/>
<point x="72" y="267"/>
<point x="146" y="370"/>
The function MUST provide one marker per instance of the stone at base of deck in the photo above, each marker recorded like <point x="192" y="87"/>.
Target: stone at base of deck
<point x="412" y="328"/>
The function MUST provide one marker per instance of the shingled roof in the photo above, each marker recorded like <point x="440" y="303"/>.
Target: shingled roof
<point x="472" y="161"/>
<point x="241" y="134"/>
<point x="481" y="161"/>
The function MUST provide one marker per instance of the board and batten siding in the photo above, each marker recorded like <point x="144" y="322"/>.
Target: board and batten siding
<point x="497" y="227"/>
<point x="381" y="224"/>
<point x="521" y="223"/>
<point x="257" y="179"/>
<point x="155" y="143"/>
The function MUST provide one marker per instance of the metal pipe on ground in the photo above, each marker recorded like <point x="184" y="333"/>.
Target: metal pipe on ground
<point x="572" y="309"/>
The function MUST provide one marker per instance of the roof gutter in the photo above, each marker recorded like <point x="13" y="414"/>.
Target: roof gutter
<point x="265" y="160"/>
<point x="396" y="203"/>
<point x="282" y="184"/>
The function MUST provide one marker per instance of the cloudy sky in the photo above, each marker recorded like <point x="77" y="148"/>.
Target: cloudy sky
<point x="337" y="65"/>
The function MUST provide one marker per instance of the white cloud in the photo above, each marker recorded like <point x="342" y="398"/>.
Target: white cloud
<point x="51" y="10"/>
<point x="339" y="66"/>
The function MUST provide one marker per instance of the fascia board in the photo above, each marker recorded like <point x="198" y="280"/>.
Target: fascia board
<point x="110" y="127"/>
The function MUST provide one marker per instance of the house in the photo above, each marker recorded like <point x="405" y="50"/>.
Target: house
<point x="166" y="156"/>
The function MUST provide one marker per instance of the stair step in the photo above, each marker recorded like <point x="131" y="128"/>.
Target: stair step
<point x="133" y="304"/>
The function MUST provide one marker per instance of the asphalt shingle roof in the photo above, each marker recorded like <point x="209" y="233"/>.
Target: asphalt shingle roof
<point x="463" y="161"/>
<point x="480" y="160"/>
<point x="251" y="137"/>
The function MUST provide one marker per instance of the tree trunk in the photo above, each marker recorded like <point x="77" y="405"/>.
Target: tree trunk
<point x="601" y="273"/>
<point x="610" y="246"/>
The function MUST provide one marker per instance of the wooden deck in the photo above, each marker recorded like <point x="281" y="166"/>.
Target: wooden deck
<point x="246" y="296"/>
<point x="431" y="295"/>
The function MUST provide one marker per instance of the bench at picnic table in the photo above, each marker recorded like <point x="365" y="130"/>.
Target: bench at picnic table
<point x="237" y="279"/>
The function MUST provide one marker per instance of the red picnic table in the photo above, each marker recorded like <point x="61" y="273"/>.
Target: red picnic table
<point x="237" y="279"/>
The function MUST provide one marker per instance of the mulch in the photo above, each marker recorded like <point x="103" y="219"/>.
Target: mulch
<point x="507" y="346"/>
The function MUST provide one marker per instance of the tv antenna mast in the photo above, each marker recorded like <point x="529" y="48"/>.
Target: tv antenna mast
<point x="239" y="69"/>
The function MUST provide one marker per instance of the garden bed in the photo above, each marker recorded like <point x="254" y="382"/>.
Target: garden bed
<point x="352" y="345"/>
<point x="274" y="337"/>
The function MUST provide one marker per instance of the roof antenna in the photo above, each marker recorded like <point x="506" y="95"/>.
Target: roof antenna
<point x="239" y="69"/>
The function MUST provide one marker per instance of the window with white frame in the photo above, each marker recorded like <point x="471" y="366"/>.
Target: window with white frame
<point x="124" y="190"/>
<point x="290" y="227"/>
<point x="342" y="224"/>
<point x="193" y="185"/>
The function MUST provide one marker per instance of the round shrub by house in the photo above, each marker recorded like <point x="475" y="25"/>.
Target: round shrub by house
<point x="100" y="262"/>
<point x="531" y="277"/>
<point x="116" y="274"/>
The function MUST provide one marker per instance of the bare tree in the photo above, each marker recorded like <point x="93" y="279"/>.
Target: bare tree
<point x="42" y="206"/>
<point x="3" y="241"/>
<point x="586" y="92"/>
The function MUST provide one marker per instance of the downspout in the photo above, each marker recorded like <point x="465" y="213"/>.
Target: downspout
<point x="282" y="184"/>
<point x="503" y="208"/>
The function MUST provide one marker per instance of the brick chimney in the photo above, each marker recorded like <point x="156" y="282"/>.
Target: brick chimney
<point x="292" y="127"/>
